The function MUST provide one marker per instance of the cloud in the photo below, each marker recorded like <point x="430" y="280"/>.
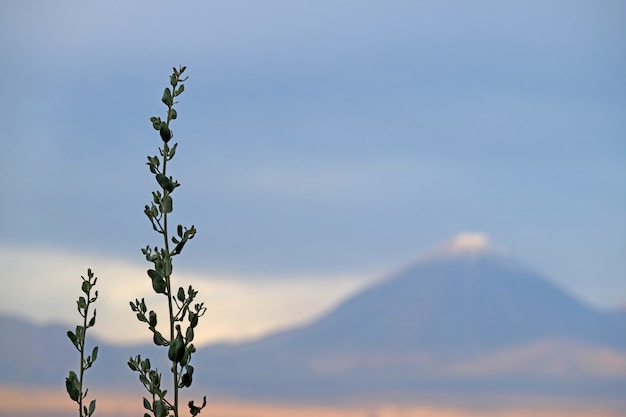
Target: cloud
<point x="42" y="284"/>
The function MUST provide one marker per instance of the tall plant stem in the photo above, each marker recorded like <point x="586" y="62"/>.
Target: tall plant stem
<point x="82" y="360"/>
<point x="166" y="245"/>
<point x="182" y="308"/>
<point x="74" y="383"/>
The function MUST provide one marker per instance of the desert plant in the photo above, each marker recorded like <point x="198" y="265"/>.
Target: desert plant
<point x="74" y="383"/>
<point x="180" y="303"/>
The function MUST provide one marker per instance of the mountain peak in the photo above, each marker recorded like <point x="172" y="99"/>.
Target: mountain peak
<point x="468" y="243"/>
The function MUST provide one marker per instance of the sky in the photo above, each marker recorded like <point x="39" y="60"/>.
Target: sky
<point x="322" y="145"/>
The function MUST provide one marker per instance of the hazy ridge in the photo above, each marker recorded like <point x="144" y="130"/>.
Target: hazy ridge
<point x="465" y="323"/>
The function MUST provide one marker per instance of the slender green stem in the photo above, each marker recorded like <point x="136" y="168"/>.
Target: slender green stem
<point x="166" y="244"/>
<point x="82" y="358"/>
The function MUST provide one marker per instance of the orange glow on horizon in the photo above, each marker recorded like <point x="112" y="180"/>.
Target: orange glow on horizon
<point x="21" y="401"/>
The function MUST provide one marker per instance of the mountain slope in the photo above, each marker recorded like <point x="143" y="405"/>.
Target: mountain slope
<point x="32" y="354"/>
<point x="460" y="303"/>
<point x="451" y="321"/>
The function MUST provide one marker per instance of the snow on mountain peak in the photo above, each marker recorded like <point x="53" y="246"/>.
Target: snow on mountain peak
<point x="464" y="244"/>
<point x="469" y="243"/>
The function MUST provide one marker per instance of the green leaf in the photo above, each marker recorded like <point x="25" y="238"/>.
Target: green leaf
<point x="193" y="319"/>
<point x="152" y="320"/>
<point x="146" y="404"/>
<point x="166" y="183"/>
<point x="177" y="348"/>
<point x="158" y="264"/>
<point x="185" y="360"/>
<point x="189" y="334"/>
<point x="86" y="287"/>
<point x="180" y="90"/>
<point x="181" y="294"/>
<point x="158" y="282"/>
<point x="160" y="410"/>
<point x="92" y="407"/>
<point x="145" y="365"/>
<point x="179" y="247"/>
<point x="156" y="123"/>
<point x="165" y="132"/>
<point x="193" y="409"/>
<point x="82" y="303"/>
<point x="187" y="376"/>
<point x="143" y="379"/>
<point x="132" y="363"/>
<point x="173" y="79"/>
<point x="167" y="97"/>
<point x="80" y="334"/>
<point x="94" y="354"/>
<point x="159" y="286"/>
<point x="92" y="322"/>
<point x="173" y="151"/>
<point x="155" y="377"/>
<point x="173" y="114"/>
<point x="73" y="338"/>
<point x="167" y="204"/>
<point x="72" y="385"/>
<point x="158" y="339"/>
<point x="154" y="274"/>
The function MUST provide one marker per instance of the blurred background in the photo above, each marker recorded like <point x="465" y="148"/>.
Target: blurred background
<point x="322" y="146"/>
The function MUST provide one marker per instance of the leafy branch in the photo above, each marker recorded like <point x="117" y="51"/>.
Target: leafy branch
<point x="74" y="383"/>
<point x="181" y="306"/>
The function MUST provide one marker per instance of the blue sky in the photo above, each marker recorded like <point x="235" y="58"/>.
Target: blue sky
<point x="321" y="142"/>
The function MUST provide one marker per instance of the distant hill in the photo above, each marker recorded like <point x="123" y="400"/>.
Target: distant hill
<point x="454" y="305"/>
<point x="464" y="321"/>
<point x="32" y="354"/>
<point x="461" y="320"/>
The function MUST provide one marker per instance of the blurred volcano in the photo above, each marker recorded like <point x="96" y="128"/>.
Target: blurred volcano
<point x="464" y="318"/>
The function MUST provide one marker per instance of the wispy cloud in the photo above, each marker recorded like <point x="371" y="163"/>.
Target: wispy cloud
<point x="42" y="284"/>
